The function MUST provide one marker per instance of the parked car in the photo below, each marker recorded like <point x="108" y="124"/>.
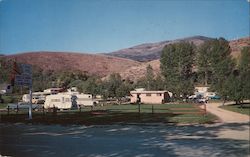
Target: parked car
<point x="202" y="100"/>
<point x="215" y="97"/>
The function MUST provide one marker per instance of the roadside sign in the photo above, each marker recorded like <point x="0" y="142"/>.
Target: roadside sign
<point x="26" y="69"/>
<point x="25" y="75"/>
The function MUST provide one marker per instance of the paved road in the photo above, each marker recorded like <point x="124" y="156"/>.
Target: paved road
<point x="158" y="140"/>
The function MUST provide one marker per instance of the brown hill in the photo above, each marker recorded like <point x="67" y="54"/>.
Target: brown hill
<point x="100" y="65"/>
<point x="136" y="72"/>
<point x="237" y="45"/>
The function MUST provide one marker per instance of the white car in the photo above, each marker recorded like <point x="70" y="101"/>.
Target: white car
<point x="192" y="97"/>
<point x="202" y="100"/>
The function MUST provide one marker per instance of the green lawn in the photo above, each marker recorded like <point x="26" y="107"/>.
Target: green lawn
<point x="112" y="114"/>
<point x="162" y="108"/>
<point x="3" y="105"/>
<point x="237" y="108"/>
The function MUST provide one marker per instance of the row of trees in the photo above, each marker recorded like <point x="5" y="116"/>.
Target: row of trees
<point x="183" y="65"/>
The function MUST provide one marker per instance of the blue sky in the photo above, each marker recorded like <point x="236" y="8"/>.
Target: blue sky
<point x="96" y="26"/>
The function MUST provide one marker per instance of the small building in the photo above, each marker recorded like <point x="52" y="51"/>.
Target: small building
<point x="150" y="97"/>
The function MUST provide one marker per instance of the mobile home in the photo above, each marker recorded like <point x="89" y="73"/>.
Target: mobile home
<point x="68" y="101"/>
<point x="61" y="101"/>
<point x="85" y="100"/>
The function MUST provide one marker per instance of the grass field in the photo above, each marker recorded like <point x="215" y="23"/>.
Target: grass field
<point x="113" y="114"/>
<point x="237" y="108"/>
<point x="3" y="105"/>
<point x="9" y="99"/>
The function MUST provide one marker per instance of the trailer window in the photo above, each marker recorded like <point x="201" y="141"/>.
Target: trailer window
<point x="158" y="94"/>
<point x="83" y="99"/>
<point x="148" y="94"/>
<point x="67" y="100"/>
<point x="55" y="100"/>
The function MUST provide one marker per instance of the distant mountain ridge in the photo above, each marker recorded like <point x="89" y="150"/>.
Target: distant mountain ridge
<point x="152" y="51"/>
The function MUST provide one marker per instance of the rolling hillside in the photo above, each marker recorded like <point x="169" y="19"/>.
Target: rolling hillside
<point x="99" y="65"/>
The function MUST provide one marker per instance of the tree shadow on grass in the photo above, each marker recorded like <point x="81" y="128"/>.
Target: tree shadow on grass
<point x="119" y="140"/>
<point x="88" y="118"/>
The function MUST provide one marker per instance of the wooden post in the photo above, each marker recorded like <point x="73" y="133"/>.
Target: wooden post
<point x="139" y="107"/>
<point x="54" y="110"/>
<point x="17" y="109"/>
<point x="152" y="109"/>
<point x="205" y="108"/>
<point x="8" y="109"/>
<point x="80" y="108"/>
<point x="138" y="101"/>
<point x="43" y="110"/>
<point x="30" y="106"/>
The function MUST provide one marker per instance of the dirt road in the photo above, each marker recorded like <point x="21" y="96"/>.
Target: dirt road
<point x="235" y="125"/>
<point x="225" y="115"/>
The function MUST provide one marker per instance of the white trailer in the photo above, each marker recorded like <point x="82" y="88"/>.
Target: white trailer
<point x="84" y="100"/>
<point x="68" y="101"/>
<point x="37" y="98"/>
<point x="60" y="101"/>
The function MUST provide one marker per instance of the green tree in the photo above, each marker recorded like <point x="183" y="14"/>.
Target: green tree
<point x="204" y="62"/>
<point x="244" y="68"/>
<point x="91" y="86"/>
<point x="234" y="86"/>
<point x="177" y="61"/>
<point x="159" y="83"/>
<point x="220" y="64"/>
<point x="238" y="85"/>
<point x="112" y="84"/>
<point x="149" y="78"/>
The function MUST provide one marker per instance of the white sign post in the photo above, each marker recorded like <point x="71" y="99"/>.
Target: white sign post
<point x="25" y="79"/>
